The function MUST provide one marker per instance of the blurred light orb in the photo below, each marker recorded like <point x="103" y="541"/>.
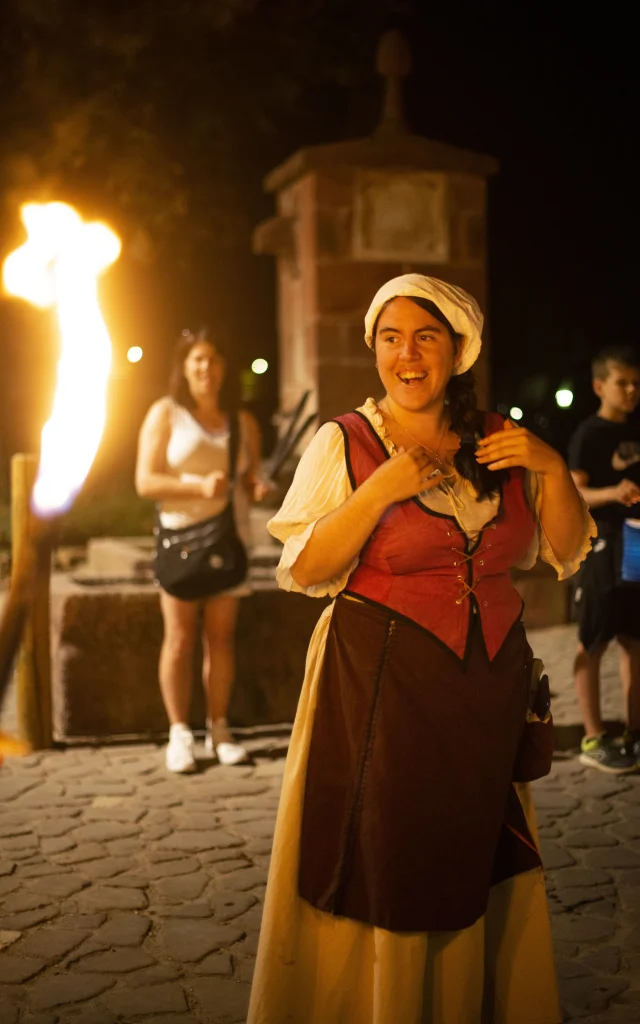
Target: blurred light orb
<point x="259" y="366"/>
<point x="134" y="355"/>
<point x="564" y="397"/>
<point x="516" y="412"/>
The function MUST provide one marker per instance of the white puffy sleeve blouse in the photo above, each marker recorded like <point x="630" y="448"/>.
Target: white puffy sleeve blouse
<point x="321" y="484"/>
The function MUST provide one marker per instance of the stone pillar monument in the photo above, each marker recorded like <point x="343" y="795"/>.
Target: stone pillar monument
<point x="350" y="216"/>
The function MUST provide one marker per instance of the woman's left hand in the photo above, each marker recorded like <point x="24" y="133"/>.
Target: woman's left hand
<point x="516" y="446"/>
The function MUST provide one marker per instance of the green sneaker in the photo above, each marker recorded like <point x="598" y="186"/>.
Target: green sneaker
<point x="602" y="753"/>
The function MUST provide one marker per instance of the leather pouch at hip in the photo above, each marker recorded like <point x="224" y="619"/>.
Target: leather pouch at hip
<point x="534" y="755"/>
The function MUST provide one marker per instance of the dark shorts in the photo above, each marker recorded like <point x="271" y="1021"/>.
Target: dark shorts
<point x="605" y="606"/>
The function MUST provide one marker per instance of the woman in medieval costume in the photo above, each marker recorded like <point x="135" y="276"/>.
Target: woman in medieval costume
<point x="406" y="884"/>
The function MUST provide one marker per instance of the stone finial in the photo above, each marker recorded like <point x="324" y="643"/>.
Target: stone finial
<point x="393" y="62"/>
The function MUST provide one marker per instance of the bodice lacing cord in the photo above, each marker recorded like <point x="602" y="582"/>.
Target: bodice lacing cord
<point x="457" y="507"/>
<point x="467" y="588"/>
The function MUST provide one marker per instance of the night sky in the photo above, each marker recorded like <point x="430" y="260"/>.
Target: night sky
<point x="554" y="97"/>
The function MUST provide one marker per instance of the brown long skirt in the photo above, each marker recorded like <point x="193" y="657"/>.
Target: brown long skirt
<point x="410" y="815"/>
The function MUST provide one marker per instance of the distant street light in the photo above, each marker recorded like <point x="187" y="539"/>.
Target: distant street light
<point x="564" y="397"/>
<point x="259" y="366"/>
<point x="134" y="355"/>
<point x="516" y="413"/>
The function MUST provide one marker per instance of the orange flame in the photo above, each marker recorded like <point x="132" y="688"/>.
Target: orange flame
<point x="59" y="265"/>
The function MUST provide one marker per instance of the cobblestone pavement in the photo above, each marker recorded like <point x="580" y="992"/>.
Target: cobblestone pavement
<point x="127" y="894"/>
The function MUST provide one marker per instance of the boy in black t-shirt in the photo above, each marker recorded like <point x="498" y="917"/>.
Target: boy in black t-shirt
<point x="604" y="459"/>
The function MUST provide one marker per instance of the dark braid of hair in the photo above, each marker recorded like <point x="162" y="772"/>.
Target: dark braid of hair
<point x="467" y="422"/>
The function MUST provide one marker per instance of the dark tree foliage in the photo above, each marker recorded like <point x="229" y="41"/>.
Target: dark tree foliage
<point x="161" y="114"/>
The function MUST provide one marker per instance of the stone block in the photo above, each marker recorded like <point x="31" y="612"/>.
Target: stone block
<point x="8" y="938"/>
<point x="334" y="228"/>
<point x="127" y="557"/>
<point x="604" y="961"/>
<point x="223" y="999"/>
<point x="334" y="188"/>
<point x="69" y="988"/>
<point x="350" y="288"/>
<point x="578" y="928"/>
<point x="115" y="961"/>
<point x="588" y="838"/>
<point x="111" y="898"/>
<point x="340" y="340"/>
<point x="401" y="216"/>
<point x="60" y="845"/>
<point x="196" y="842"/>
<point x="106" y="641"/>
<point x="191" y="909"/>
<point x="50" y="944"/>
<point x="190" y="940"/>
<point x="226" y="867"/>
<point x="227" y="906"/>
<point x="172" y="868"/>
<point x="8" y="1012"/>
<point x="475" y="237"/>
<point x="28" y="919"/>
<point x="155" y="976"/>
<point x="58" y="885"/>
<point x="15" y="970"/>
<point x="81" y="854"/>
<point x="613" y="857"/>
<point x="184" y="888"/>
<point x="124" y="930"/>
<point x="108" y="867"/>
<point x="344" y="387"/>
<point x="152" y="999"/>
<point x="95" y="1015"/>
<point x="578" y="877"/>
<point x="467" y="193"/>
<point x="585" y="994"/>
<point x="554" y="857"/>
<point x="243" y="880"/>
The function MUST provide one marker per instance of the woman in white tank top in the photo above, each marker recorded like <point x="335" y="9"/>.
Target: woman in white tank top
<point x="183" y="464"/>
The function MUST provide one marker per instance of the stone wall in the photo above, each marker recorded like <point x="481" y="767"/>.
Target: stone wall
<point x="105" y="645"/>
<point x="106" y="640"/>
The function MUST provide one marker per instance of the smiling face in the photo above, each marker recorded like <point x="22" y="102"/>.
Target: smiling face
<point x="415" y="355"/>
<point x="203" y="370"/>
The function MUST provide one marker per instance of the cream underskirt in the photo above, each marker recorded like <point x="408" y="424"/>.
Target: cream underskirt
<point x="314" y="968"/>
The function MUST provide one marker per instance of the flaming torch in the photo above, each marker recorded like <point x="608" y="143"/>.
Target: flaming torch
<point x="59" y="265"/>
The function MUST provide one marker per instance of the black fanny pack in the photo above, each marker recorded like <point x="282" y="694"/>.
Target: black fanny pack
<point x="206" y="558"/>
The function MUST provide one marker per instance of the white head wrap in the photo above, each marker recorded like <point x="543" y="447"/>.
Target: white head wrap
<point x="460" y="308"/>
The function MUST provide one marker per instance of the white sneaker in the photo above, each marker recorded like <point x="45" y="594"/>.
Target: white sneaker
<point x="225" y="750"/>
<point x="179" y="753"/>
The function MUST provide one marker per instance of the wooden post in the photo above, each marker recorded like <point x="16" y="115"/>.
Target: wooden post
<point x="33" y="666"/>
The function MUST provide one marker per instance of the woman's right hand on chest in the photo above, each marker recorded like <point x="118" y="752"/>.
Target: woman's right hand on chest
<point x="214" y="485"/>
<point x="404" y="475"/>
